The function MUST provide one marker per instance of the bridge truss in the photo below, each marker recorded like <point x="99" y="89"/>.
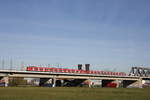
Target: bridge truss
<point x="140" y="71"/>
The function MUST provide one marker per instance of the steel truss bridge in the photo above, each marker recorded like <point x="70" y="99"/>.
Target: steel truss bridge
<point x="140" y="71"/>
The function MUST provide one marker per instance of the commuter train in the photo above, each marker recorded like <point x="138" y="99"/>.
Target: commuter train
<point x="62" y="70"/>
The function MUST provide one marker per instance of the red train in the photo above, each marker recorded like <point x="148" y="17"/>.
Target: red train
<point x="62" y="70"/>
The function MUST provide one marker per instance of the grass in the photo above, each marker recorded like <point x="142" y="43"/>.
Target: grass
<point x="35" y="93"/>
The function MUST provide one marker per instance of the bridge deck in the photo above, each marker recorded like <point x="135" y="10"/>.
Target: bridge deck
<point x="31" y="74"/>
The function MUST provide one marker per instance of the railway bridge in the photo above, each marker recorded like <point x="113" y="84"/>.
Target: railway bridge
<point x="75" y="79"/>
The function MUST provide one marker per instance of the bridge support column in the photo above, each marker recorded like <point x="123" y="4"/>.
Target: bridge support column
<point x="89" y="84"/>
<point x="6" y="79"/>
<point x="118" y="83"/>
<point x="53" y="82"/>
<point x="140" y="82"/>
<point x="62" y="82"/>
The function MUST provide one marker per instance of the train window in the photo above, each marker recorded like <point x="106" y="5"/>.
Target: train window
<point x="41" y="69"/>
<point x="46" y="69"/>
<point x="59" y="70"/>
<point x="35" y="69"/>
<point x="62" y="70"/>
<point x="78" y="71"/>
<point x="29" y="68"/>
<point x="111" y="73"/>
<point x="65" y="71"/>
<point x="107" y="73"/>
<point x="50" y="69"/>
<point x="91" y="72"/>
<point x="100" y="72"/>
<point x="68" y="70"/>
<point x="55" y="70"/>
<point x="72" y="71"/>
<point x="75" y="71"/>
<point x="95" y="72"/>
<point x="120" y="73"/>
<point x="124" y="74"/>
<point x="117" y="73"/>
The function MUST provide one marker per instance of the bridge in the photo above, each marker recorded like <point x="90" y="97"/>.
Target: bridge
<point x="134" y="78"/>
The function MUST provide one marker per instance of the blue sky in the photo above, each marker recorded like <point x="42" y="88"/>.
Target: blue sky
<point x="109" y="34"/>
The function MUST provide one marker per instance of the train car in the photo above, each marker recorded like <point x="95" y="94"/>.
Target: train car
<point x="62" y="70"/>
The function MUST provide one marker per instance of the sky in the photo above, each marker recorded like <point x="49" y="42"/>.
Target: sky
<point x="108" y="34"/>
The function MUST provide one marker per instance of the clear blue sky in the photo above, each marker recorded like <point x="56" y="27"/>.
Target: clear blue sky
<point x="109" y="34"/>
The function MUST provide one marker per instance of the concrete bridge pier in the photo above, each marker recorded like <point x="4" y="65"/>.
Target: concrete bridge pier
<point x="89" y="83"/>
<point x="53" y="82"/>
<point x="118" y="82"/>
<point x="6" y="80"/>
<point x="62" y="82"/>
<point x="140" y="83"/>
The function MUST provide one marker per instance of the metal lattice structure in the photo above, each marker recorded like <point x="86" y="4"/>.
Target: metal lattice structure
<point x="140" y="71"/>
